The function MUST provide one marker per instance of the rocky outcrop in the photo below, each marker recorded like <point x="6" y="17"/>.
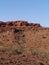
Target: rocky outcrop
<point x="17" y="23"/>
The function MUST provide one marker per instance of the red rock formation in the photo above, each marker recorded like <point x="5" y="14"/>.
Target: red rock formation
<point x="23" y="43"/>
<point x="17" y="23"/>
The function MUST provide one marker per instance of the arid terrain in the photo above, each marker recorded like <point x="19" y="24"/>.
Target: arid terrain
<point x="23" y="43"/>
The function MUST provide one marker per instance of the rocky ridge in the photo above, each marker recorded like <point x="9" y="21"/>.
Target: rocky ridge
<point x="23" y="43"/>
<point x="17" y="23"/>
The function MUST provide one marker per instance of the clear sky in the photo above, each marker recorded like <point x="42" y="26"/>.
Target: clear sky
<point x="36" y="11"/>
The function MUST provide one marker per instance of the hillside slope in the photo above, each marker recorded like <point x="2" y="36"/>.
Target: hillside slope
<point x="23" y="43"/>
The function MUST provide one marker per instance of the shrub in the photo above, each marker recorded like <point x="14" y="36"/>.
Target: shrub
<point x="17" y="31"/>
<point x="2" y="49"/>
<point x="41" y="63"/>
<point x="15" y="51"/>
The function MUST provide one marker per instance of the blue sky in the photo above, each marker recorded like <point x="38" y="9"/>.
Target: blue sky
<point x="36" y="11"/>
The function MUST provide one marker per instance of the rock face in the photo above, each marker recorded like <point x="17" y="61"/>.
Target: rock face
<point x="23" y="43"/>
<point x="4" y="26"/>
